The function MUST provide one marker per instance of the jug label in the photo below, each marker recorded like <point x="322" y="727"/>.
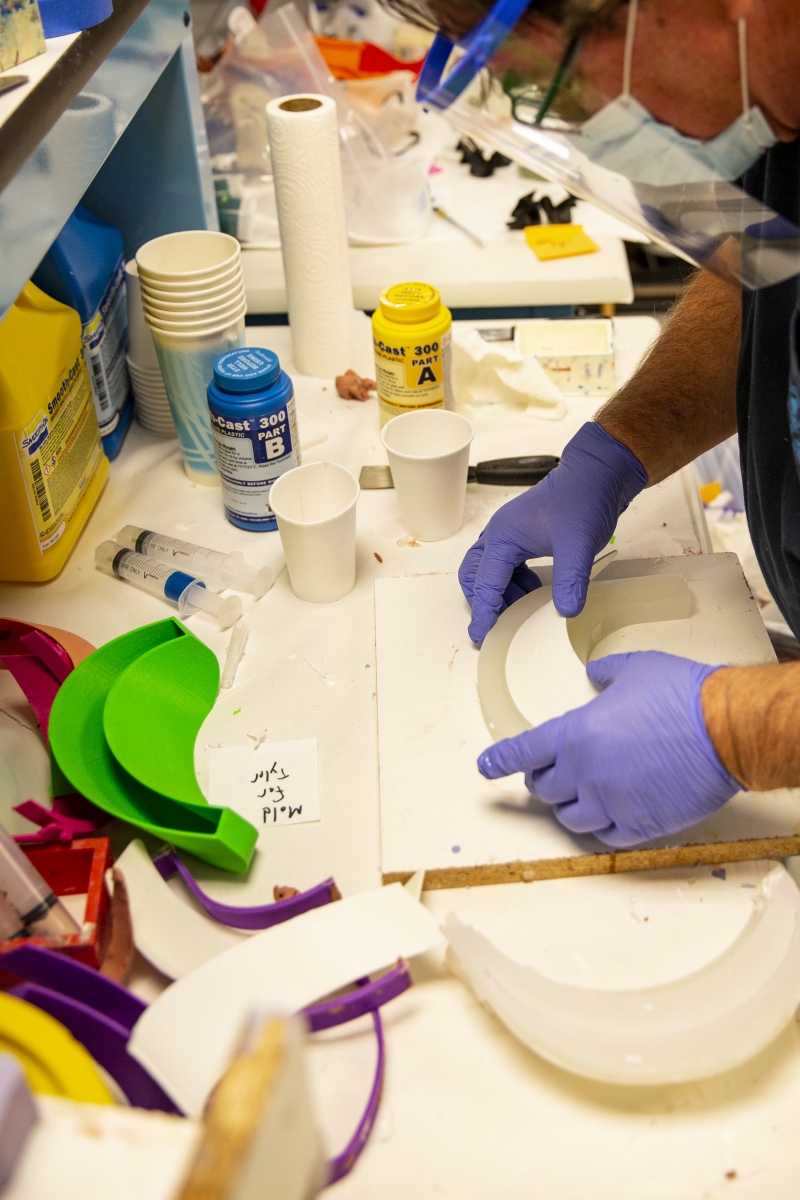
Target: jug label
<point x="59" y="452"/>
<point x="105" y="345"/>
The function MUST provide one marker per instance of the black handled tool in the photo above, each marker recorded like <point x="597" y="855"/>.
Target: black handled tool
<point x="503" y="472"/>
<point x="513" y="472"/>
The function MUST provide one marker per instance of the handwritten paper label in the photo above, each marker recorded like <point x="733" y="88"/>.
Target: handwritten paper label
<point x="277" y="783"/>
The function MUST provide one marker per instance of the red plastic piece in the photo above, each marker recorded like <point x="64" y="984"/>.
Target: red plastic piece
<point x="71" y="871"/>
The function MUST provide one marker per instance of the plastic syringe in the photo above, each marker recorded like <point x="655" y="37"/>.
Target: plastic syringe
<point x="29" y="895"/>
<point x="219" y="570"/>
<point x="190" y="595"/>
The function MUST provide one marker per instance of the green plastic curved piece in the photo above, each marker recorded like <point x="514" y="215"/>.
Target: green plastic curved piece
<point x="154" y="711"/>
<point x="173" y="683"/>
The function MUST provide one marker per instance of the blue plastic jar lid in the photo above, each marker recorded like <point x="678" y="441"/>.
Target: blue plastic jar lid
<point x="71" y="16"/>
<point x="250" y="369"/>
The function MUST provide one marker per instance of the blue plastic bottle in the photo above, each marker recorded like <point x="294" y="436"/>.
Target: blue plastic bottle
<point x="255" y="432"/>
<point x="84" y="268"/>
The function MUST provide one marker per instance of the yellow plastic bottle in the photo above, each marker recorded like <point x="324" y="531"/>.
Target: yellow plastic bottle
<point x="411" y="335"/>
<point x="52" y="465"/>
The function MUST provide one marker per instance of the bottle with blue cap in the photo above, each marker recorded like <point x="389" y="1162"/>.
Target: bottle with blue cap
<point x="251" y="401"/>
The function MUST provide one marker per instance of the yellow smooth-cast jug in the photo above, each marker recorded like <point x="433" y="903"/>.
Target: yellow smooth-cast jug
<point x="52" y="465"/>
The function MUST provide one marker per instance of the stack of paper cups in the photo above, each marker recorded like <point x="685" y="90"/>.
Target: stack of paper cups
<point x="152" y="405"/>
<point x="304" y="147"/>
<point x="194" y="305"/>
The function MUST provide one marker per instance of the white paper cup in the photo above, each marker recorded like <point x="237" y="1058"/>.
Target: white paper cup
<point x="191" y="256"/>
<point x="198" y="326"/>
<point x="198" y="312"/>
<point x="188" y="291"/>
<point x="187" y="366"/>
<point x="316" y="510"/>
<point x="191" y="301"/>
<point x="429" y="456"/>
<point x="140" y="339"/>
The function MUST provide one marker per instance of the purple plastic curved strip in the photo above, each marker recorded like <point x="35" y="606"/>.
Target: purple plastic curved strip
<point x="106" y="1041"/>
<point x="261" y="916"/>
<point x="70" y="978"/>
<point x="365" y="999"/>
<point x="341" y="1164"/>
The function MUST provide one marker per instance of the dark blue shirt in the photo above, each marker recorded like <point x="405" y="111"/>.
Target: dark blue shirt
<point x="770" y="471"/>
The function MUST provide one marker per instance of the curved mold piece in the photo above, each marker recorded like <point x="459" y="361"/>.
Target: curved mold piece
<point x="83" y="760"/>
<point x="532" y="665"/>
<point x="153" y="713"/>
<point x="699" y="1025"/>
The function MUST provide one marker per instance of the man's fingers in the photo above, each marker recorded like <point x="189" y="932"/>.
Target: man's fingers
<point x="523" y="582"/>
<point x="572" y="565"/>
<point x="533" y="750"/>
<point x="469" y="568"/>
<point x="603" y="671"/>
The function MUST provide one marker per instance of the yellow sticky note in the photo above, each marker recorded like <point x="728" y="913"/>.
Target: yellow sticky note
<point x="558" y="241"/>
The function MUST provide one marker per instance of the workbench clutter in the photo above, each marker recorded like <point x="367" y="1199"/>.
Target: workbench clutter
<point x="70" y="1026"/>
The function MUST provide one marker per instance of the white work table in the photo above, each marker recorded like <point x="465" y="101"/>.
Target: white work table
<point x="504" y="273"/>
<point x="467" y="1111"/>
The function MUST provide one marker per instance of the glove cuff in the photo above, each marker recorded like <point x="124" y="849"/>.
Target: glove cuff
<point x="593" y="440"/>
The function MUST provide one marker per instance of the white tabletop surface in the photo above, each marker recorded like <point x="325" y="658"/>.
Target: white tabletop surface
<point x="467" y="1111"/>
<point x="502" y="274"/>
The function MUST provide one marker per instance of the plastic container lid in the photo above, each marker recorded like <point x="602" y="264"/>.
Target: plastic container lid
<point x="60" y="17"/>
<point x="410" y="303"/>
<point x="251" y="369"/>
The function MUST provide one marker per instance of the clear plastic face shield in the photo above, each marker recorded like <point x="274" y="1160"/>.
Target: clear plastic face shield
<point x="530" y="102"/>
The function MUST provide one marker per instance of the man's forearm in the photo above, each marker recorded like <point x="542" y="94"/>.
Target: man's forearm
<point x="682" y="399"/>
<point x="753" y="718"/>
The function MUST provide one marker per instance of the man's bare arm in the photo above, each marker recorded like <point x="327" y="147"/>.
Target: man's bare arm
<point x="682" y="399"/>
<point x="753" y="718"/>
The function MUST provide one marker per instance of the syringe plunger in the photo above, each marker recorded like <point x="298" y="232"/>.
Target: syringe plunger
<point x="212" y="566"/>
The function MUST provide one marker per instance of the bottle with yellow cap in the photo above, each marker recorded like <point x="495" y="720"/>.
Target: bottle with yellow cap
<point x="411" y="334"/>
<point x="52" y="465"/>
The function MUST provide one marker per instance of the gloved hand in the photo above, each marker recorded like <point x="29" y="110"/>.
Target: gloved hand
<point x="571" y="514"/>
<point x="635" y="763"/>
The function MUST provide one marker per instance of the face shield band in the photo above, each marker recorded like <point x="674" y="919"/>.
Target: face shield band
<point x="677" y="190"/>
<point x="477" y="48"/>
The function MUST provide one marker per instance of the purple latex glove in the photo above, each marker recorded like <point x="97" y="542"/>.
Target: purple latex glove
<point x="635" y="763"/>
<point x="571" y="514"/>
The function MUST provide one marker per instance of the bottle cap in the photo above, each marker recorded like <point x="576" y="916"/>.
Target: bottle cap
<point x="250" y="369"/>
<point x="410" y="303"/>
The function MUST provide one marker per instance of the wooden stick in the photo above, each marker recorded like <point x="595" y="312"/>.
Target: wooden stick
<point x="710" y="853"/>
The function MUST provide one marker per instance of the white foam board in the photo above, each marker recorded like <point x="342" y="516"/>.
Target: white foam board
<point x="436" y="810"/>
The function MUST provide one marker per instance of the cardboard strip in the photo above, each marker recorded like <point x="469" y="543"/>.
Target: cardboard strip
<point x="708" y="853"/>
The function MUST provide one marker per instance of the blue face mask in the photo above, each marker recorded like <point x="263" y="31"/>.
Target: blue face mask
<point x="624" y="137"/>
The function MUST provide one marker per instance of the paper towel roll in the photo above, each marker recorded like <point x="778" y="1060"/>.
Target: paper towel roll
<point x="304" y="145"/>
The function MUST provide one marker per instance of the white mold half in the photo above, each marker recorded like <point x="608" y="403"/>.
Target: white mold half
<point x="696" y="1026"/>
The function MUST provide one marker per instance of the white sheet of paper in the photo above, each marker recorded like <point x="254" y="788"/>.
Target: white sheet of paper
<point x="185" y="1039"/>
<point x="276" y="783"/>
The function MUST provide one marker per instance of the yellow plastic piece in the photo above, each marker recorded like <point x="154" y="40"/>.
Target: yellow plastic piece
<point x="411" y="337"/>
<point x="54" y="1063"/>
<point x="558" y="241"/>
<point x="710" y="491"/>
<point x="52" y="465"/>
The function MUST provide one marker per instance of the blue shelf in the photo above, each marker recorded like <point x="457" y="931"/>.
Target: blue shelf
<point x="129" y="138"/>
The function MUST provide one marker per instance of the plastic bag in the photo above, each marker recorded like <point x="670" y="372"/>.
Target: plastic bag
<point x="386" y="195"/>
